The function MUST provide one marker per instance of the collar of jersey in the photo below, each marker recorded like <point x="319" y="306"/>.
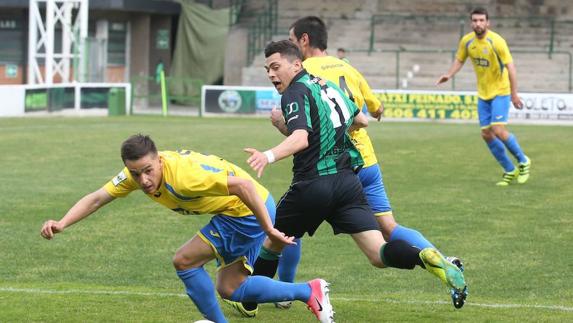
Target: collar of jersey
<point x="298" y="76"/>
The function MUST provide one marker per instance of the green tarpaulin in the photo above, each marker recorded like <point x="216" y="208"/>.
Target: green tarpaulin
<point x="200" y="49"/>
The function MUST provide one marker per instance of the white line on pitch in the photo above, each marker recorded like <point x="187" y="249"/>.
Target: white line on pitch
<point x="344" y="299"/>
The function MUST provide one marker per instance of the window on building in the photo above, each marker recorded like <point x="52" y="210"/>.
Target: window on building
<point x="12" y="40"/>
<point x="116" y="47"/>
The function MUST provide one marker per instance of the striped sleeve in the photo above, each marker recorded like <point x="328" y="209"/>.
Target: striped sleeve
<point x="462" y="53"/>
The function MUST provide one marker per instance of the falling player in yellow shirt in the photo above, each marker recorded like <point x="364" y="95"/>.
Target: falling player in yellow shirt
<point x="243" y="216"/>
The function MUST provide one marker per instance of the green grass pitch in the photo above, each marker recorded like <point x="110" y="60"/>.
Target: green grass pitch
<point x="115" y="266"/>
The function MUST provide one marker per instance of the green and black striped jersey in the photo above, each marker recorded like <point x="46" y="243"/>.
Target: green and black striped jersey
<point x="321" y="108"/>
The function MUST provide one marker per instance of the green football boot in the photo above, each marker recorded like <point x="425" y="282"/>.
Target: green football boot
<point x="507" y="178"/>
<point x="458" y="297"/>
<point x="241" y="309"/>
<point x="524" y="171"/>
<point x="448" y="273"/>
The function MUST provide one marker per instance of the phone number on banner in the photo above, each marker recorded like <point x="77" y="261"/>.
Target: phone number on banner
<point x="455" y="114"/>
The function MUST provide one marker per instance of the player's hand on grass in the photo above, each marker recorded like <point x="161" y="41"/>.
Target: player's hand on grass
<point x="517" y="103"/>
<point x="277" y="236"/>
<point x="50" y="228"/>
<point x="257" y="161"/>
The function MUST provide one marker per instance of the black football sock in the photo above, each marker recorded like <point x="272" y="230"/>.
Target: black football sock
<point x="400" y="254"/>
<point x="266" y="265"/>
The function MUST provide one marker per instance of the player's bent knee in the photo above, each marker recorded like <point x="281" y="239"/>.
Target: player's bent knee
<point x="225" y="291"/>
<point x="375" y="260"/>
<point x="500" y="131"/>
<point x="378" y="264"/>
<point x="181" y="263"/>
<point x="387" y="225"/>
<point x="487" y="134"/>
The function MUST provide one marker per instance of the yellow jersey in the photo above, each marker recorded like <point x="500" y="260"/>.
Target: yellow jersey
<point x="489" y="56"/>
<point x="356" y="88"/>
<point x="192" y="183"/>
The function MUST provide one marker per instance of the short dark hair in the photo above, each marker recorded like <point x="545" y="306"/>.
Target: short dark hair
<point x="136" y="147"/>
<point x="315" y="28"/>
<point x="285" y="48"/>
<point x="341" y="50"/>
<point x="479" y="11"/>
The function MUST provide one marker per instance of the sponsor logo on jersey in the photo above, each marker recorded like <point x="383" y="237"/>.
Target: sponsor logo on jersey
<point x="292" y="107"/>
<point x="481" y="62"/>
<point x="292" y="118"/>
<point x="119" y="178"/>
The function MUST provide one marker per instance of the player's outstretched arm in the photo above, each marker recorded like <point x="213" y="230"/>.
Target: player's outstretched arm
<point x="246" y="191"/>
<point x="456" y="67"/>
<point x="512" y="73"/>
<point x="84" y="207"/>
<point x="292" y="144"/>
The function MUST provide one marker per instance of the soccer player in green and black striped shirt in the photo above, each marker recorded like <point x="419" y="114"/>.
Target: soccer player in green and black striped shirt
<point x="325" y="187"/>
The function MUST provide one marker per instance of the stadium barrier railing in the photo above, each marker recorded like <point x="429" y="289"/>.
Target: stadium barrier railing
<point x="66" y="98"/>
<point x="262" y="30"/>
<point x="77" y="97"/>
<point x="461" y="23"/>
<point x="557" y="30"/>
<point x="235" y="8"/>
<point x="398" y="54"/>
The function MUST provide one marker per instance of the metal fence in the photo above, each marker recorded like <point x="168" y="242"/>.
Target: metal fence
<point x="262" y="30"/>
<point x="147" y="99"/>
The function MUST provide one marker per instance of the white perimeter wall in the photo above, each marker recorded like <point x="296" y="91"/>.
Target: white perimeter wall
<point x="12" y="100"/>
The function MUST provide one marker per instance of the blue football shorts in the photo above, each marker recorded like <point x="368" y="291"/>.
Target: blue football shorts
<point x="494" y="111"/>
<point x="373" y="186"/>
<point x="236" y="238"/>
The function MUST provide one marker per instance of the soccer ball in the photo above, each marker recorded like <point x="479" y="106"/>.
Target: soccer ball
<point x="204" y="321"/>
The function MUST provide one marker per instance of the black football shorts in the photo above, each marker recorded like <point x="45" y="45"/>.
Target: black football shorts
<point x="337" y="199"/>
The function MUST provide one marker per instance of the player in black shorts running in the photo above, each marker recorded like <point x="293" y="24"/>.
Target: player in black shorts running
<point x="325" y="186"/>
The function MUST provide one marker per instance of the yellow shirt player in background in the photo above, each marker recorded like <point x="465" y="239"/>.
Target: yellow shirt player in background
<point x="497" y="85"/>
<point x="243" y="216"/>
<point x="310" y="35"/>
<point x="341" y="54"/>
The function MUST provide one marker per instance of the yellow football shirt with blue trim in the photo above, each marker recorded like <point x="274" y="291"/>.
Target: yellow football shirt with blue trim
<point x="489" y="56"/>
<point x="192" y="183"/>
<point x="356" y="88"/>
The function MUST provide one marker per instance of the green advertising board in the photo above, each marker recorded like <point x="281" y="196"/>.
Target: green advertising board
<point x="230" y="101"/>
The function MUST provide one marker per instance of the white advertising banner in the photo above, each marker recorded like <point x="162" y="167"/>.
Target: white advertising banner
<point x="462" y="105"/>
<point x="398" y="104"/>
<point x="557" y="106"/>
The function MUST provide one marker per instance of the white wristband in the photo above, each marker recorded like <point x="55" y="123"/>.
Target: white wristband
<point x="270" y="156"/>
